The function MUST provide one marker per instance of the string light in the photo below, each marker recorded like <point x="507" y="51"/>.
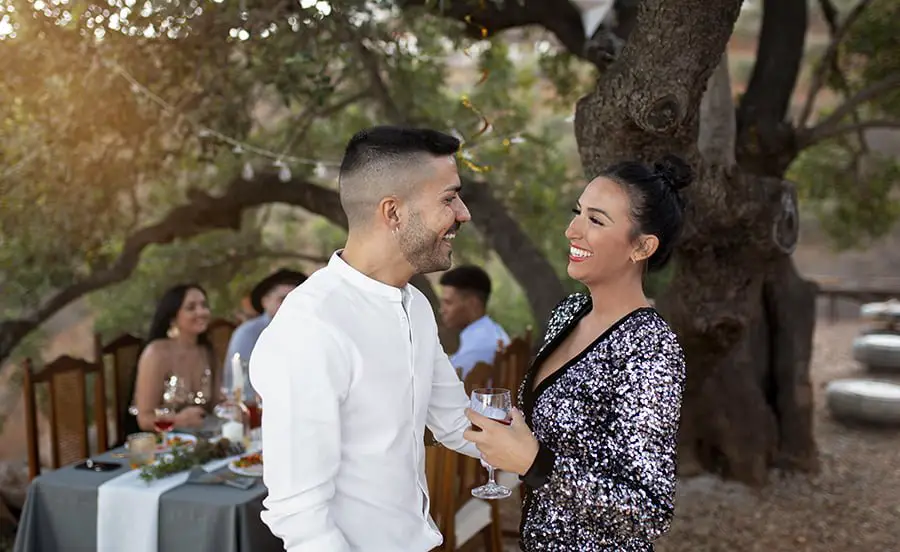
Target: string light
<point x="282" y="160"/>
<point x="203" y="131"/>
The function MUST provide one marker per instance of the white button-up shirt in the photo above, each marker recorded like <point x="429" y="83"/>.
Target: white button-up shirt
<point x="350" y="371"/>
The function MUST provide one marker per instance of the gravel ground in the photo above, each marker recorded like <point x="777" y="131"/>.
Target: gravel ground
<point x="852" y="505"/>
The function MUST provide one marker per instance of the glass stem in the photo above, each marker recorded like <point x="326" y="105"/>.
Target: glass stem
<point x="491" y="476"/>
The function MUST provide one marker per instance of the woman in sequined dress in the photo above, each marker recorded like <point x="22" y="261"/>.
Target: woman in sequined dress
<point x="175" y="366"/>
<point x="595" y="444"/>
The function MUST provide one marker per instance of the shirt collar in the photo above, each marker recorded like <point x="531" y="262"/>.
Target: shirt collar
<point x="474" y="326"/>
<point x="365" y="283"/>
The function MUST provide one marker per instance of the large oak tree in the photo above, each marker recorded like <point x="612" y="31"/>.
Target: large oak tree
<point x="741" y="310"/>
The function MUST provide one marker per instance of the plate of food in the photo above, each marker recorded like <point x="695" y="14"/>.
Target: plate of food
<point x="175" y="440"/>
<point x="249" y="465"/>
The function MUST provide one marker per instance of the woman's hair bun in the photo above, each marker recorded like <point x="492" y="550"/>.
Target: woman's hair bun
<point x="675" y="170"/>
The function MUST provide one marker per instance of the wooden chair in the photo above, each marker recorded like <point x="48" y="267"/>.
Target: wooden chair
<point x="220" y="331"/>
<point x="512" y="364"/>
<point x="440" y="474"/>
<point x="123" y="354"/>
<point x="66" y="380"/>
<point x="481" y="375"/>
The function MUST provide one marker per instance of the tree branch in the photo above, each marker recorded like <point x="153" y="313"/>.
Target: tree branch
<point x="203" y="212"/>
<point x="827" y="126"/>
<point x="560" y="17"/>
<point x="717" y="118"/>
<point x="830" y="11"/>
<point x="764" y="138"/>
<point x="817" y="135"/>
<point x="504" y="235"/>
<point x="829" y="60"/>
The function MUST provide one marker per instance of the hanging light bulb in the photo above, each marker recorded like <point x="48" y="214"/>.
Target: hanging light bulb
<point x="247" y="172"/>
<point x="320" y="170"/>
<point x="238" y="149"/>
<point x="284" y="173"/>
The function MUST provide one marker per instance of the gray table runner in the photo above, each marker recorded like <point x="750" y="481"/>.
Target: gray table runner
<point x="60" y="515"/>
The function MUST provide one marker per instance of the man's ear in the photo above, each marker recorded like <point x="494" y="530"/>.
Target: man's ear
<point x="389" y="212"/>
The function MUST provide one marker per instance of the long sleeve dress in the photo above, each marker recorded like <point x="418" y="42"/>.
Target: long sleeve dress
<point x="606" y="421"/>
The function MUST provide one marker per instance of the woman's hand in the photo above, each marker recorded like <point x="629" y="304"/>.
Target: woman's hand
<point x="191" y="416"/>
<point x="509" y="448"/>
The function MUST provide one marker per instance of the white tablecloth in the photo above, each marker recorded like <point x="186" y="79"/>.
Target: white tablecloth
<point x="128" y="509"/>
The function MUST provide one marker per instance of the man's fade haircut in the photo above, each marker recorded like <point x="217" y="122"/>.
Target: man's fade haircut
<point x="469" y="279"/>
<point x="380" y="161"/>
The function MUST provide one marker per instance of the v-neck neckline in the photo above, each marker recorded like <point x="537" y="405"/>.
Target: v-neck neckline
<point x="533" y="393"/>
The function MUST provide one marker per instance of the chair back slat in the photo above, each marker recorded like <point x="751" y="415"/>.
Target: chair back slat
<point x="481" y="375"/>
<point x="440" y="474"/>
<point x="122" y="355"/>
<point x="512" y="363"/>
<point x="220" y="331"/>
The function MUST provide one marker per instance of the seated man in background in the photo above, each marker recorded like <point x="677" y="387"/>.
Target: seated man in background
<point x="464" y="297"/>
<point x="266" y="297"/>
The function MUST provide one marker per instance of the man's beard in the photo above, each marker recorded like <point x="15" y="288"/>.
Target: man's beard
<point x="422" y="248"/>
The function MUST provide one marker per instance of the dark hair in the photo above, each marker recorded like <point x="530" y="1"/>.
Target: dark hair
<point x="283" y="276"/>
<point x="657" y="208"/>
<point x="469" y="278"/>
<point x="389" y="143"/>
<point x="167" y="309"/>
<point x="376" y="163"/>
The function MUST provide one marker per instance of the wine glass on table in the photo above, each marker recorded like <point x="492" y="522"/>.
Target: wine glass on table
<point x="493" y="403"/>
<point x="164" y="422"/>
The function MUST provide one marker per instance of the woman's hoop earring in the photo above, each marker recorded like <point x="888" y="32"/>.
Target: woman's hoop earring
<point x="173" y="332"/>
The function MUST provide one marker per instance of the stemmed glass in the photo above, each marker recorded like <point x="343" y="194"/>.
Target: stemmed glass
<point x="493" y="403"/>
<point x="164" y="422"/>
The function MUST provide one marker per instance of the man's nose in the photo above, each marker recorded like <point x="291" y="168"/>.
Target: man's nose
<point x="462" y="214"/>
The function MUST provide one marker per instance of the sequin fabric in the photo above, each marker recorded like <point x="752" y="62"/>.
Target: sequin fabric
<point x="610" y="418"/>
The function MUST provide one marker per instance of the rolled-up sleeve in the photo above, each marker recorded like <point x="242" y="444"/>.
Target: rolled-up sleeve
<point x="303" y="375"/>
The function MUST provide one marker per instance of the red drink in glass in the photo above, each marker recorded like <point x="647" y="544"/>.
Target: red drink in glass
<point x="255" y="415"/>
<point x="164" y="425"/>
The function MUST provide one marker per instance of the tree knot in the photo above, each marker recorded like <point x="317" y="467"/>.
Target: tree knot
<point x="662" y="116"/>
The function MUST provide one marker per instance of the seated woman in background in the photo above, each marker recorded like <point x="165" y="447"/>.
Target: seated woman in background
<point x="175" y="367"/>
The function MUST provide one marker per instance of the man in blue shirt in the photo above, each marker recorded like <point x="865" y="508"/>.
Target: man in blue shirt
<point x="265" y="298"/>
<point x="464" y="296"/>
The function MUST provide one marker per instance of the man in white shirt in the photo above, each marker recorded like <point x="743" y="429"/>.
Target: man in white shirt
<point x="351" y="371"/>
<point x="464" y="296"/>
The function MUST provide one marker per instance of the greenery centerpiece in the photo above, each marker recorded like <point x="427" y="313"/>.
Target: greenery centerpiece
<point x="183" y="458"/>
